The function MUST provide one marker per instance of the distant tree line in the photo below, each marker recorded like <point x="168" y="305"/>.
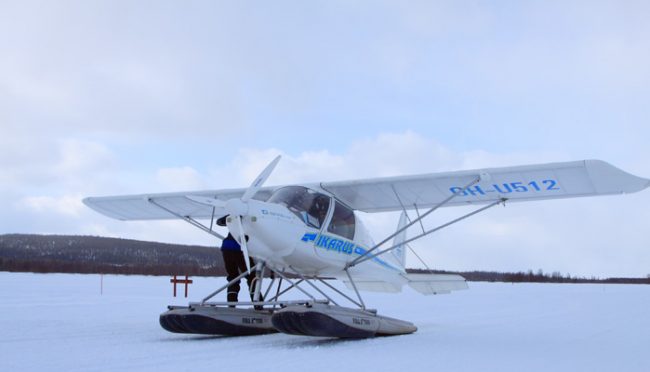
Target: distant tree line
<point x="54" y="266"/>
<point x="532" y="277"/>
<point x="98" y="255"/>
<point x="89" y="254"/>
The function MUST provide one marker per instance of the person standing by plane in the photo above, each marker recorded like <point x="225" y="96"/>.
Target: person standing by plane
<point x="233" y="259"/>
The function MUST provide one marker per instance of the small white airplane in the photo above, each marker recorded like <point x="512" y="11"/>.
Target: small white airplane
<point x="305" y="233"/>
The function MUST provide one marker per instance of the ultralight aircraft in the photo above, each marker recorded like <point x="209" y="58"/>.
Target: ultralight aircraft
<point x="303" y="235"/>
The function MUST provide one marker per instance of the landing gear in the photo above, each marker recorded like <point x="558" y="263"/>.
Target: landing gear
<point x="319" y="319"/>
<point x="213" y="320"/>
<point x="312" y="317"/>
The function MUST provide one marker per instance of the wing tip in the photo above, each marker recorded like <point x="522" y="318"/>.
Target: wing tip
<point x="610" y="179"/>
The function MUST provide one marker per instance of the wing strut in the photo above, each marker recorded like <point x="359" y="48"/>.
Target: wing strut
<point x="188" y="219"/>
<point x="236" y="280"/>
<point x="314" y="286"/>
<point x="447" y="200"/>
<point x="417" y="211"/>
<point x="368" y="256"/>
<point x="339" y="292"/>
<point x="363" y="305"/>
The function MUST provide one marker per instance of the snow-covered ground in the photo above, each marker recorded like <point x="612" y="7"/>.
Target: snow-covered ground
<point x="57" y="322"/>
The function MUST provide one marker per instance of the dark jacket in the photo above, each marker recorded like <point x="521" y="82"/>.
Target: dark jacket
<point x="230" y="244"/>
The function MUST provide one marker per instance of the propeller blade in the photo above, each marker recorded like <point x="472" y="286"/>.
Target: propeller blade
<point x="243" y="243"/>
<point x="259" y="181"/>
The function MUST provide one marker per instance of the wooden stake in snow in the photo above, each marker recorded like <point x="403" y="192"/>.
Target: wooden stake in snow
<point x="185" y="281"/>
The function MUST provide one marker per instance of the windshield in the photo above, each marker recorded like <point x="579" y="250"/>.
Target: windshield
<point x="309" y="205"/>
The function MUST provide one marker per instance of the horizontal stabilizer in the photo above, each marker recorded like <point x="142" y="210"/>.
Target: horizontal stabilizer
<point x="427" y="284"/>
<point x="374" y="286"/>
<point x="430" y="284"/>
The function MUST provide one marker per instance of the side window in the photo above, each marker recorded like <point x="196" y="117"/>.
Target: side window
<point x="342" y="223"/>
<point x="317" y="210"/>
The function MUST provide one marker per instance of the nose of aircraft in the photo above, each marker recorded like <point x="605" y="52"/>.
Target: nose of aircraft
<point x="272" y="230"/>
<point x="239" y="208"/>
<point x="236" y="207"/>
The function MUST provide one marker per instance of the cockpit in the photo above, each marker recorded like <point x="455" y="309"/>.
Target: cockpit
<point x="309" y="205"/>
<point x="312" y="208"/>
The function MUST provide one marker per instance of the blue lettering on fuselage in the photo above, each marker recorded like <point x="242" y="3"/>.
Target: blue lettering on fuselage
<point x="342" y="246"/>
<point x="331" y="243"/>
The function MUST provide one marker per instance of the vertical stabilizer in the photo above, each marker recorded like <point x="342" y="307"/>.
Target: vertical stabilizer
<point x="400" y="252"/>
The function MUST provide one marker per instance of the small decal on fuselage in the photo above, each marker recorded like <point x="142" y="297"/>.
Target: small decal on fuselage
<point x="309" y="237"/>
<point x="266" y="212"/>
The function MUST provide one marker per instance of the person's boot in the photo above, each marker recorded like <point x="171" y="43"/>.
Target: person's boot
<point x="232" y="297"/>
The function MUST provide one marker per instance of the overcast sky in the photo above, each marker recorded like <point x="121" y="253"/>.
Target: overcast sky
<point x="115" y="97"/>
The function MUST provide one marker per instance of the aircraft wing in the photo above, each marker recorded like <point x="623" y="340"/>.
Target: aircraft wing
<point x="520" y="183"/>
<point x="165" y="206"/>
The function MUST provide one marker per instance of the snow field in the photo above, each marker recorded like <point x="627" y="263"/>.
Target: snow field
<point x="60" y="322"/>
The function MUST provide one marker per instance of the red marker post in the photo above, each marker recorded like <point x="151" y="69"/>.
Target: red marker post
<point x="185" y="281"/>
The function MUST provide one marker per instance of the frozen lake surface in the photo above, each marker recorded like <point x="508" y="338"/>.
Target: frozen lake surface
<point x="60" y="322"/>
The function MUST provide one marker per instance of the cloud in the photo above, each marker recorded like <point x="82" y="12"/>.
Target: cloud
<point x="70" y="206"/>
<point x="33" y="162"/>
<point x="386" y="154"/>
<point x="104" y="97"/>
<point x="181" y="178"/>
<point x="577" y="235"/>
<point x="77" y="156"/>
<point x="117" y="70"/>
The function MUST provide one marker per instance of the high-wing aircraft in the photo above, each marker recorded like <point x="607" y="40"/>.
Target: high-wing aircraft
<point x="302" y="235"/>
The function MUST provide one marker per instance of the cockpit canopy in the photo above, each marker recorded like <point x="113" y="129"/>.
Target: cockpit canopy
<point x="309" y="205"/>
<point x="312" y="207"/>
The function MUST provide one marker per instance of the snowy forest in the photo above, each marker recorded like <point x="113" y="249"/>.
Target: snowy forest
<point x="100" y="255"/>
<point x="90" y="254"/>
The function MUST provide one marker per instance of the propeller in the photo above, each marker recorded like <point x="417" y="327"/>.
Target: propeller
<point x="259" y="181"/>
<point x="248" y="195"/>
<point x="237" y="208"/>
<point x="243" y="243"/>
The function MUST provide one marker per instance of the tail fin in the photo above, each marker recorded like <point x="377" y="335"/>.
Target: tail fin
<point x="400" y="252"/>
